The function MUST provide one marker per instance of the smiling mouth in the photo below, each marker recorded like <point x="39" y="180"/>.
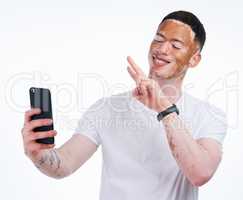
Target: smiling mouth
<point x="160" y="62"/>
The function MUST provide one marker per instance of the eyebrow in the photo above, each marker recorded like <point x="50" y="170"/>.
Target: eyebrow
<point x="173" y="39"/>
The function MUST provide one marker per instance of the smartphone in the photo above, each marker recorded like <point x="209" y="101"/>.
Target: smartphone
<point x="41" y="98"/>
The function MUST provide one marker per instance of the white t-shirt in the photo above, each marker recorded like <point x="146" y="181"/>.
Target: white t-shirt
<point x="137" y="160"/>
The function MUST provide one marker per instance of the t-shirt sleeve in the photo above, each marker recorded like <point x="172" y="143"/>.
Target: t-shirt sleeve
<point x="213" y="123"/>
<point x="87" y="124"/>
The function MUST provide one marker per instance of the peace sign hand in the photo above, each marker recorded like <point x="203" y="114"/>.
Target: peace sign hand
<point x="147" y="90"/>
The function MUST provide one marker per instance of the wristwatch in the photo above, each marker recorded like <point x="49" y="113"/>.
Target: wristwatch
<point x="169" y="110"/>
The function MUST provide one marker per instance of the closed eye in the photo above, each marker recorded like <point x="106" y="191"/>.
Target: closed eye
<point x="177" y="45"/>
<point x="159" y="38"/>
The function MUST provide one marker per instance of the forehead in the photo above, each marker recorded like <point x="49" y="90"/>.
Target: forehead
<point x="174" y="29"/>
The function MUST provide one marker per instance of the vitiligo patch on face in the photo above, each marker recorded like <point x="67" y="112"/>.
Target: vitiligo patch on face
<point x="192" y="34"/>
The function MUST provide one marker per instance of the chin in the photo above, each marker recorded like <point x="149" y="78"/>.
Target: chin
<point x="158" y="74"/>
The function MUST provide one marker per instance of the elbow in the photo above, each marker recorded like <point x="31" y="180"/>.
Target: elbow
<point x="56" y="176"/>
<point x="61" y="174"/>
<point x="200" y="178"/>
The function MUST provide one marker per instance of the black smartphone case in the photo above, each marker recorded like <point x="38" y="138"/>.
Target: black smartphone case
<point x="41" y="98"/>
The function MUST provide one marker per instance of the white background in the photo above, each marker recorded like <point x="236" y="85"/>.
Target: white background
<point x="79" y="49"/>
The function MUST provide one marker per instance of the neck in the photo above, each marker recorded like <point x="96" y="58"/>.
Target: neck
<point x="171" y="88"/>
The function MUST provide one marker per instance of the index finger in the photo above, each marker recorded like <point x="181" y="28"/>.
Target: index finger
<point x="30" y="113"/>
<point x="136" y="68"/>
<point x="133" y="74"/>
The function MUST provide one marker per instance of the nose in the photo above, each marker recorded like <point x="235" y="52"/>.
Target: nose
<point x="165" y="47"/>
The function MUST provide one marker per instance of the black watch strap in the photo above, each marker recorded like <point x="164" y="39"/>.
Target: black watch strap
<point x="169" y="110"/>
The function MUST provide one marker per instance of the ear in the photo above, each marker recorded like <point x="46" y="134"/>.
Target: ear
<point x="195" y="59"/>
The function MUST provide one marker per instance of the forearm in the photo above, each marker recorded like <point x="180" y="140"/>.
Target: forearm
<point x="52" y="163"/>
<point x="191" y="157"/>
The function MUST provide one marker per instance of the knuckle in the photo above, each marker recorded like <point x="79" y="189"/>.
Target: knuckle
<point x="32" y="136"/>
<point x="27" y="126"/>
<point x="24" y="132"/>
<point x="28" y="137"/>
<point x="26" y="114"/>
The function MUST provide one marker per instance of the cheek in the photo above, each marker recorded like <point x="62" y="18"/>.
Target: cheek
<point x="182" y="59"/>
<point x="153" y="47"/>
<point x="150" y="52"/>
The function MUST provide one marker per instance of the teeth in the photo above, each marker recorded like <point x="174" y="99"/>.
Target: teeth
<point x="154" y="57"/>
<point x="159" y="61"/>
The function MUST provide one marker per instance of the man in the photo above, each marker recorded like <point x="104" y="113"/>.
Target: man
<point x="158" y="142"/>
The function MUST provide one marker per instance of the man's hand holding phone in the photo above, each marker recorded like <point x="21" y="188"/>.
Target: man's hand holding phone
<point x="32" y="148"/>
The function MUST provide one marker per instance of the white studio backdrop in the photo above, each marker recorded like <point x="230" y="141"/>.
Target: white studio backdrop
<point x="78" y="49"/>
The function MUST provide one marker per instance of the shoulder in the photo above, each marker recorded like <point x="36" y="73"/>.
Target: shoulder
<point x="205" y="112"/>
<point x="203" y="106"/>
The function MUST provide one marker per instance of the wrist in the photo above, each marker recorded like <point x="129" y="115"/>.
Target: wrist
<point x="169" y="111"/>
<point x="163" y="105"/>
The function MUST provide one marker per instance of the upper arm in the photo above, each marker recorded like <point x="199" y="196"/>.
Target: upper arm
<point x="214" y="152"/>
<point x="76" y="151"/>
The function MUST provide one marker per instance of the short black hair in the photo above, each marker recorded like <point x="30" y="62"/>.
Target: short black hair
<point x="191" y="20"/>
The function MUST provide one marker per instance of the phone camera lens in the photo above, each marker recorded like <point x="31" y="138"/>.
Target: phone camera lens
<point x="33" y="90"/>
